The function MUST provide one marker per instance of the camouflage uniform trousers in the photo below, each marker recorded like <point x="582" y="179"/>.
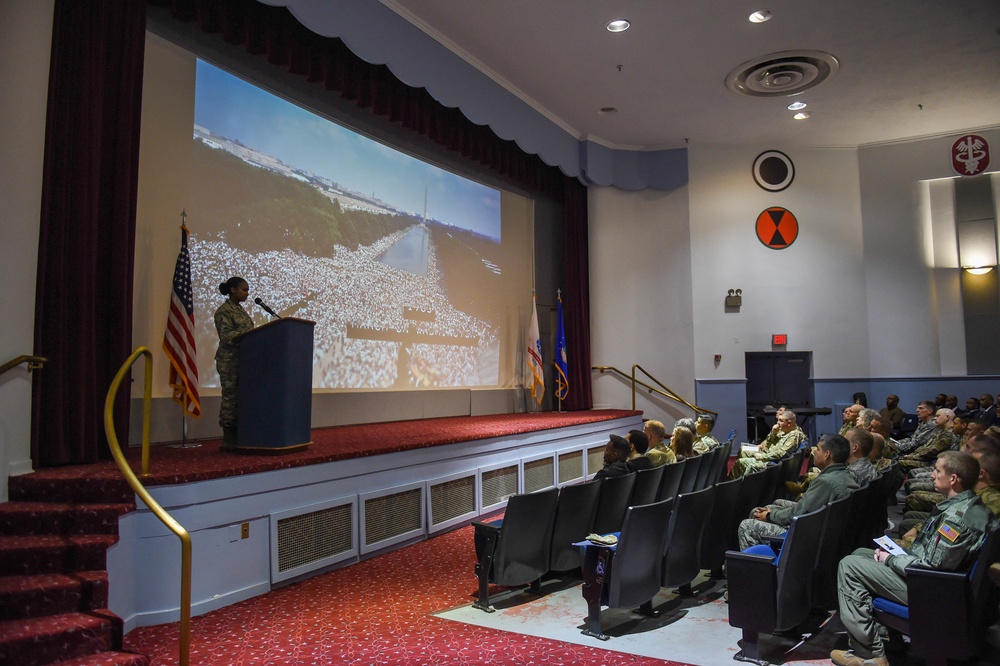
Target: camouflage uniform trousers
<point x="752" y="531"/>
<point x="229" y="379"/>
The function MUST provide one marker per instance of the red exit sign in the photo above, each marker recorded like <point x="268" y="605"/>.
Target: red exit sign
<point x="779" y="339"/>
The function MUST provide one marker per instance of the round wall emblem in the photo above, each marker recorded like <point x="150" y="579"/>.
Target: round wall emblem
<point x="970" y="155"/>
<point x="777" y="228"/>
<point x="773" y="171"/>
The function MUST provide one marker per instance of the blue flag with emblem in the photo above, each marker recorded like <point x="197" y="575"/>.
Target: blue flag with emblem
<point x="562" y="367"/>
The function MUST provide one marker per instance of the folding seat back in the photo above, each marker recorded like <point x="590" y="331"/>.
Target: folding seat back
<point x="647" y="486"/>
<point x="720" y="530"/>
<point x="611" y="506"/>
<point x="687" y="526"/>
<point x="825" y="576"/>
<point x="750" y="491"/>
<point x="772" y="474"/>
<point x="516" y="550"/>
<point x="707" y="466"/>
<point x="671" y="483"/>
<point x="574" y="520"/>
<point x="692" y="466"/>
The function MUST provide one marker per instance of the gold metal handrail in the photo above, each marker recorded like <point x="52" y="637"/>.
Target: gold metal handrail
<point x="662" y="390"/>
<point x="34" y="363"/>
<point x="140" y="490"/>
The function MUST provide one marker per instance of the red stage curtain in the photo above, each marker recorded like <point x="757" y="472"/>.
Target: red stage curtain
<point x="83" y="301"/>
<point x="273" y="33"/>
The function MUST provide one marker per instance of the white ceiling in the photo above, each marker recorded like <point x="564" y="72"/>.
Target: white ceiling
<point x="895" y="56"/>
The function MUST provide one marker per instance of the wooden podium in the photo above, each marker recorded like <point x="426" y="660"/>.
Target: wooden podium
<point x="275" y="387"/>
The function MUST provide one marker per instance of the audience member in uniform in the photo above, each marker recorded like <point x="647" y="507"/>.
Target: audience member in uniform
<point x="785" y="437"/>
<point x="947" y="541"/>
<point x="682" y="443"/>
<point x="833" y="482"/>
<point x="705" y="441"/>
<point x="659" y="452"/>
<point x="925" y="414"/>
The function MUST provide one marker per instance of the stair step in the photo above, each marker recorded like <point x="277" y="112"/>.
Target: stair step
<point x="39" y="554"/>
<point x="51" y="594"/>
<point x="53" y="638"/>
<point x="57" y="518"/>
<point x="108" y="659"/>
<point x="63" y="484"/>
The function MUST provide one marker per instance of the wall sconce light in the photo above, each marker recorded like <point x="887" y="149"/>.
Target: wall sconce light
<point x="977" y="246"/>
<point x="734" y="298"/>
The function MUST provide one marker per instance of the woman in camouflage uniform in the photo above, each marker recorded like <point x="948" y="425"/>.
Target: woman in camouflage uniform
<point x="230" y="320"/>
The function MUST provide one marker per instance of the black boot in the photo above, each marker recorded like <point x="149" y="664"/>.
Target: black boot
<point x="229" y="437"/>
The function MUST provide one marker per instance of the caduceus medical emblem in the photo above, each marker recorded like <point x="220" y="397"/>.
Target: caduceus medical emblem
<point x="970" y="155"/>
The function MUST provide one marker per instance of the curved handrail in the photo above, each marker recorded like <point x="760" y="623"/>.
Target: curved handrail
<point x="34" y="363"/>
<point x="140" y="490"/>
<point x="663" y="390"/>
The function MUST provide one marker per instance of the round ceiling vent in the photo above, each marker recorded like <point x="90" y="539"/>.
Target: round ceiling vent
<point x="782" y="74"/>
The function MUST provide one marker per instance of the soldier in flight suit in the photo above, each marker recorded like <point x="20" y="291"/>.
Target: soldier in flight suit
<point x="230" y="320"/>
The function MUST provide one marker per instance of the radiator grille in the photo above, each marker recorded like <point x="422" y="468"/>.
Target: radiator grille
<point x="452" y="499"/>
<point x="595" y="458"/>
<point x="570" y="466"/>
<point x="391" y="515"/>
<point x="538" y="474"/>
<point x="314" y="536"/>
<point x="499" y="484"/>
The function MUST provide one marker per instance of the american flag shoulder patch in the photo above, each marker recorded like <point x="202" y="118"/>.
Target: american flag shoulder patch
<point x="948" y="531"/>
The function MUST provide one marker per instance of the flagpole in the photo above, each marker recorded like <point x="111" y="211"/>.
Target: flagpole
<point x="184" y="426"/>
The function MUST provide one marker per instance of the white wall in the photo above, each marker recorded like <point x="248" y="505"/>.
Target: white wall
<point x="24" y="51"/>
<point x="812" y="290"/>
<point x="640" y="298"/>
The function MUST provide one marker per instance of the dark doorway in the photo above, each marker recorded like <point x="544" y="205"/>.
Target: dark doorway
<point x="775" y="379"/>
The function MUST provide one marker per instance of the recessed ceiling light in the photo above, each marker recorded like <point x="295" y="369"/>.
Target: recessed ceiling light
<point x="795" y="106"/>
<point x="618" y="25"/>
<point x="801" y="115"/>
<point x="760" y="16"/>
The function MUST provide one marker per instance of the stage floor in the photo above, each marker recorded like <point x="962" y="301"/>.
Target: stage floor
<point x="208" y="461"/>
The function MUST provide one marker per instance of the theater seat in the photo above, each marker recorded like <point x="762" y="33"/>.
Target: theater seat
<point x="769" y="593"/>
<point x="948" y="611"/>
<point x="627" y="574"/>
<point x="574" y="520"/>
<point x="515" y="551"/>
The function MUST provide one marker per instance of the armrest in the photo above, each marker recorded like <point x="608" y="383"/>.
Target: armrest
<point x="486" y="527"/>
<point x="940" y="604"/>
<point x="752" y="591"/>
<point x="775" y="542"/>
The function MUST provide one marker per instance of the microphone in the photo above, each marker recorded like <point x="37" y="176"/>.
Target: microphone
<point x="266" y="308"/>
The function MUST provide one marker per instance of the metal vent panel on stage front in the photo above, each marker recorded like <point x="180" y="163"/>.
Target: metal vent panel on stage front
<point x="538" y="473"/>
<point x="312" y="537"/>
<point x="595" y="459"/>
<point x="392" y="516"/>
<point x="497" y="483"/>
<point x="570" y="466"/>
<point x="451" y="500"/>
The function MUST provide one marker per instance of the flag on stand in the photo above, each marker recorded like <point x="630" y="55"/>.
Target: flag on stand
<point x="562" y="367"/>
<point x="178" y="339"/>
<point x="533" y="356"/>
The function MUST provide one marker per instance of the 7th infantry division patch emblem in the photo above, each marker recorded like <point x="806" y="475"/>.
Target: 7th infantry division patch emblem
<point x="777" y="228"/>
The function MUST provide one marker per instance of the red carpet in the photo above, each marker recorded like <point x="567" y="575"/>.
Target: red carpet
<point x="103" y="482"/>
<point x="374" y="612"/>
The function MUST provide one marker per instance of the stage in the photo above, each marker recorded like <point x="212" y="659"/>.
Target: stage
<point x="260" y="521"/>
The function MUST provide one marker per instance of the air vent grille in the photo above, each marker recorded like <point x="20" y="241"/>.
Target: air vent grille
<point x="452" y="499"/>
<point x="391" y="515"/>
<point x="499" y="484"/>
<point x="570" y="466"/>
<point x="538" y="474"/>
<point x="314" y="536"/>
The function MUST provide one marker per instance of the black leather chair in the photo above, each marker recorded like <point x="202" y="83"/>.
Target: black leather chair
<point x="516" y="550"/>
<point x="647" y="486"/>
<point x="768" y="593"/>
<point x="671" y="483"/>
<point x="720" y="531"/>
<point x="691" y="468"/>
<point x="629" y="574"/>
<point x="683" y="546"/>
<point x="948" y="611"/>
<point x="611" y="506"/>
<point x="574" y="521"/>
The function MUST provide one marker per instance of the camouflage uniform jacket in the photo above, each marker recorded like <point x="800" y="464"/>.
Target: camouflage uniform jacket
<point x="230" y="320"/>
<point x="705" y="443"/>
<point x="780" y="444"/>
<point x="950" y="536"/>
<point x="939" y="441"/>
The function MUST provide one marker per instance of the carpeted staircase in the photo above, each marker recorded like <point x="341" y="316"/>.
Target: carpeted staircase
<point x="54" y="537"/>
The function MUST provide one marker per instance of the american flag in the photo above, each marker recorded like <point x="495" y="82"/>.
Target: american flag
<point x="178" y="339"/>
